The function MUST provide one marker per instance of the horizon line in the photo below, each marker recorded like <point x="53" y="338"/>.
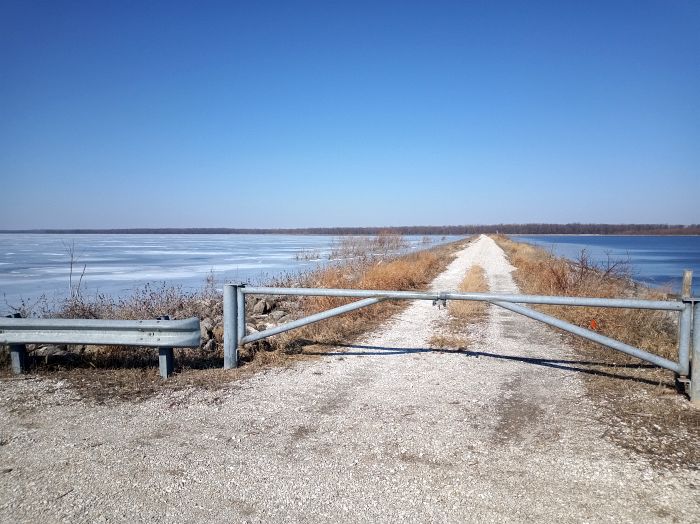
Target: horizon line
<point x="508" y="228"/>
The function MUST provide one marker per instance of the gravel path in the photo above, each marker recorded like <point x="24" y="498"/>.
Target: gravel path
<point x="388" y="430"/>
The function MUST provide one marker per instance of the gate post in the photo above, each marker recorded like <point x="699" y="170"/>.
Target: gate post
<point x="240" y="300"/>
<point x="231" y="330"/>
<point x="685" y="325"/>
<point x="695" y="371"/>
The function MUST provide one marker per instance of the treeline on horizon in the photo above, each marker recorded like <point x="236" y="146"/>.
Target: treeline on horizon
<point x="513" y="229"/>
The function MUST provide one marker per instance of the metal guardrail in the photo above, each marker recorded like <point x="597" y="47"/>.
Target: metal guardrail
<point x="162" y="333"/>
<point x="688" y="307"/>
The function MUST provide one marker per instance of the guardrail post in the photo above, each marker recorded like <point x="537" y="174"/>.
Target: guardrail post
<point x="166" y="357"/>
<point x="231" y="315"/>
<point x="685" y="325"/>
<point x="18" y="353"/>
<point x="18" y="358"/>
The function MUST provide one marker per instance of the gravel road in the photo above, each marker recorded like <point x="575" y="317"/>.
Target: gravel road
<point x="386" y="430"/>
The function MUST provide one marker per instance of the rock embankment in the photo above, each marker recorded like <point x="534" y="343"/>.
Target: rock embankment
<point x="261" y="313"/>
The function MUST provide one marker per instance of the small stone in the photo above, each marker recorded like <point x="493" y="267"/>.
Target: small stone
<point x="277" y="315"/>
<point x="51" y="351"/>
<point x="206" y="327"/>
<point x="262" y="307"/>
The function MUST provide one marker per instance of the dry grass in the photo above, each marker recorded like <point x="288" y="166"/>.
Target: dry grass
<point x="409" y="272"/>
<point x="148" y="301"/>
<point x="453" y="342"/>
<point x="474" y="282"/>
<point x="539" y="272"/>
<point x="463" y="312"/>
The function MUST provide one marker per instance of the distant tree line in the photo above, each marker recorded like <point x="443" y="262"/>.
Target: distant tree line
<point x="522" y="229"/>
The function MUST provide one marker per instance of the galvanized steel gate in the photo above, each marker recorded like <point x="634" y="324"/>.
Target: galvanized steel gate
<point x="166" y="334"/>
<point x="687" y="306"/>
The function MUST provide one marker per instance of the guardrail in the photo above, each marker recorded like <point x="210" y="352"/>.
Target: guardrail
<point x="688" y="307"/>
<point x="162" y="333"/>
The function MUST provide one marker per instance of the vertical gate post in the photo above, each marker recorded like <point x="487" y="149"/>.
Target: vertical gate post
<point x="240" y="300"/>
<point x="695" y="371"/>
<point x="685" y="325"/>
<point x="230" y="326"/>
<point x="166" y="358"/>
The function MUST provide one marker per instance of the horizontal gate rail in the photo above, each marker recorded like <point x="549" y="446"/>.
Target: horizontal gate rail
<point x="164" y="334"/>
<point x="310" y="319"/>
<point x="687" y="306"/>
<point x="592" y="335"/>
<point x="667" y="305"/>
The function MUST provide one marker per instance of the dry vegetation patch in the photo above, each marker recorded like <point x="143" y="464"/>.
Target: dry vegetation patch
<point x="409" y="272"/>
<point x="639" y="401"/>
<point x="464" y="312"/>
<point x="132" y="373"/>
<point x="474" y="282"/>
<point x="540" y="272"/>
<point x="449" y="342"/>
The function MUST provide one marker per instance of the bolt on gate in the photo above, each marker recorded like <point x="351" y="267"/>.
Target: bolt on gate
<point x="687" y="306"/>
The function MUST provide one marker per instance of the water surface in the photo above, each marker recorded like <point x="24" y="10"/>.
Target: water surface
<point x="32" y="265"/>
<point x="655" y="260"/>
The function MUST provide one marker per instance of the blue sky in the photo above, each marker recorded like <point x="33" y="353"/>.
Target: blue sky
<point x="300" y="114"/>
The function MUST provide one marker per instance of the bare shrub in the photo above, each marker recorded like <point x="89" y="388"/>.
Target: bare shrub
<point x="383" y="244"/>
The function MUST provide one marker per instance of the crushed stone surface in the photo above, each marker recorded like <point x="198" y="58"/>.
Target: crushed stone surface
<point x="385" y="430"/>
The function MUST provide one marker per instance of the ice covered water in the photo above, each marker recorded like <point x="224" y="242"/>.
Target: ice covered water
<point x="32" y="265"/>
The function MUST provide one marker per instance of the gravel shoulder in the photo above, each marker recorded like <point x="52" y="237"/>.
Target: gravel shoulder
<point x="387" y="429"/>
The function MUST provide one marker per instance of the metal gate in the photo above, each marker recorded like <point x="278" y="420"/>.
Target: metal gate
<point x="687" y="306"/>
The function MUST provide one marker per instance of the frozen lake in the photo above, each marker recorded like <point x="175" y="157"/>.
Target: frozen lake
<point x="32" y="265"/>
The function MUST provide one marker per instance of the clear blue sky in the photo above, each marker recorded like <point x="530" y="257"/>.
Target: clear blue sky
<point x="296" y="114"/>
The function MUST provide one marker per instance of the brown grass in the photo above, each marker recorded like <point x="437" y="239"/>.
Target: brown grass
<point x="453" y="342"/>
<point x="409" y="272"/>
<point x="463" y="312"/>
<point x="540" y="272"/>
<point x="474" y="282"/>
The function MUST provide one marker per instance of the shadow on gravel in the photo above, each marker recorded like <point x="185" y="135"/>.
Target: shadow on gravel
<point x="564" y="365"/>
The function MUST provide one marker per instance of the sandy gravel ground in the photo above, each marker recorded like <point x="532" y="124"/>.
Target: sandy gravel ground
<point x="388" y="431"/>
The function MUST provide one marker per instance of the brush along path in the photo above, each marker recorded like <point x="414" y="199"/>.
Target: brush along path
<point x="386" y="431"/>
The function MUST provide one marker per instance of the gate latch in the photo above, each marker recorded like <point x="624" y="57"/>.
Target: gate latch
<point x="441" y="300"/>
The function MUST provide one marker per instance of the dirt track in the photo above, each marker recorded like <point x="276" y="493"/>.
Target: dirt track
<point x="387" y="430"/>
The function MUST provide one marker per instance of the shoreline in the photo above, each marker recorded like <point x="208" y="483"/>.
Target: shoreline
<point x="648" y="259"/>
<point x="459" y="229"/>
